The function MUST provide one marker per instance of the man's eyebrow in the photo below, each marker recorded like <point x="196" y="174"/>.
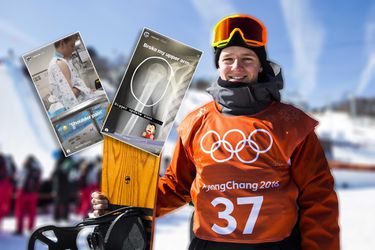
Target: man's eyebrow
<point x="248" y="54"/>
<point x="230" y="54"/>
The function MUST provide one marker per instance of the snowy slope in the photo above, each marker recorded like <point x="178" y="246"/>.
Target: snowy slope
<point x="356" y="222"/>
<point x="192" y="100"/>
<point x="172" y="231"/>
<point x="353" y="139"/>
<point x="24" y="126"/>
<point x="357" y="218"/>
<point x="26" y="130"/>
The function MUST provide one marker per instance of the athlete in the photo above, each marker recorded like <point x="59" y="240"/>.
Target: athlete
<point x="252" y="165"/>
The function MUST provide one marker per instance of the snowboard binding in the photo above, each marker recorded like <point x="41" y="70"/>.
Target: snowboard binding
<point x="122" y="228"/>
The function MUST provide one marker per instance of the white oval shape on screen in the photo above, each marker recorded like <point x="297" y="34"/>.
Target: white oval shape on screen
<point x="135" y="71"/>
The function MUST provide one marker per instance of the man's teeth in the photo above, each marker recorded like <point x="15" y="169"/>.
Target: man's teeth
<point x="237" y="77"/>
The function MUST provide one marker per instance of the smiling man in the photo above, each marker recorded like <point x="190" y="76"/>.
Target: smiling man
<point x="252" y="165"/>
<point x="238" y="64"/>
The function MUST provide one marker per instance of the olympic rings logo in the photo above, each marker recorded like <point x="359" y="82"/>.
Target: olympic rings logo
<point x="238" y="147"/>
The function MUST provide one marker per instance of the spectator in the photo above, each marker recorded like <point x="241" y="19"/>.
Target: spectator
<point x="62" y="187"/>
<point x="28" y="184"/>
<point x="7" y="171"/>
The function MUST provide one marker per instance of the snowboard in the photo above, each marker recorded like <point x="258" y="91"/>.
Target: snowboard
<point x="129" y="179"/>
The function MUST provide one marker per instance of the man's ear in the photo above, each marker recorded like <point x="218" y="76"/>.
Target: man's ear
<point x="260" y="69"/>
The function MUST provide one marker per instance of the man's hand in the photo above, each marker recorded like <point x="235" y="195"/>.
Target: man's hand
<point x="99" y="203"/>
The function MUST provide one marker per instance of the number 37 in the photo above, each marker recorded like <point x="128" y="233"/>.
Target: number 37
<point x="232" y="223"/>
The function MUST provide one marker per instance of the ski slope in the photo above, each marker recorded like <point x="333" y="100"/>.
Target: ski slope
<point x="352" y="138"/>
<point x="25" y="128"/>
<point x="172" y="231"/>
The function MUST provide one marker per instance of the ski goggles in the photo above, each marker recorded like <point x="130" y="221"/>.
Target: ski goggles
<point x="253" y="32"/>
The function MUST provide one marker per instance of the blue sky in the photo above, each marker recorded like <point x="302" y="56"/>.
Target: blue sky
<point x="326" y="48"/>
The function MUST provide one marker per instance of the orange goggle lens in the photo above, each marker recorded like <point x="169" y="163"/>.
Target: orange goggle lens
<point x="252" y="31"/>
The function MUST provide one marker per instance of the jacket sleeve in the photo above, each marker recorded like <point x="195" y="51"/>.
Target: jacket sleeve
<point x="174" y="186"/>
<point x="318" y="204"/>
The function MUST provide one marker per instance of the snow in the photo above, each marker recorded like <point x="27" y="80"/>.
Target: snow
<point x="353" y="179"/>
<point x="192" y="100"/>
<point x="353" y="139"/>
<point x="25" y="129"/>
<point x="17" y="242"/>
<point x="357" y="219"/>
<point x="172" y="230"/>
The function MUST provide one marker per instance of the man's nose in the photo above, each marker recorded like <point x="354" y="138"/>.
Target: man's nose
<point x="237" y="64"/>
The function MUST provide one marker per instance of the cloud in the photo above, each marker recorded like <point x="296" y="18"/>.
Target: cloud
<point x="307" y="37"/>
<point x="15" y="35"/>
<point x="210" y="11"/>
<point x="368" y="72"/>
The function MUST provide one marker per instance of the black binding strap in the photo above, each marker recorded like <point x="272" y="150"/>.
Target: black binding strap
<point x="122" y="228"/>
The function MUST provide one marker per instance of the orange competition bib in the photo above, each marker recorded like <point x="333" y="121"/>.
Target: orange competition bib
<point x="243" y="191"/>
